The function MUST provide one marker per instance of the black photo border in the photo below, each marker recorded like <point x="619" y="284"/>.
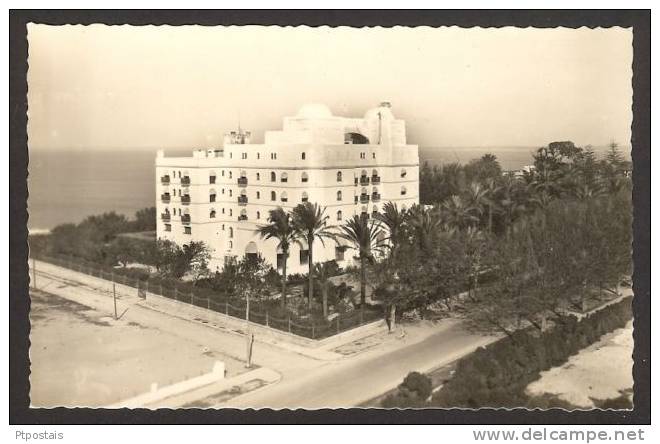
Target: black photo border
<point x="19" y="304"/>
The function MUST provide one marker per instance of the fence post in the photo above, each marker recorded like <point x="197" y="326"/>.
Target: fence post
<point x="192" y="298"/>
<point x="137" y="285"/>
<point x="146" y="289"/>
<point x="161" y="289"/>
<point x="289" y="323"/>
<point x="338" y="315"/>
<point x="175" y="293"/>
<point x="208" y="303"/>
<point x="227" y="307"/>
<point x="267" y="319"/>
<point x="313" y="333"/>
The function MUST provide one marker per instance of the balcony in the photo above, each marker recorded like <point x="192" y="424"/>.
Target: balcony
<point x="165" y="180"/>
<point x="242" y="200"/>
<point x="375" y="179"/>
<point x="185" y="219"/>
<point x="165" y="197"/>
<point x="364" y="198"/>
<point x="185" y="199"/>
<point x="185" y="180"/>
<point x="375" y="197"/>
<point x="242" y="217"/>
<point x="165" y="217"/>
<point x="242" y="181"/>
<point x="364" y="180"/>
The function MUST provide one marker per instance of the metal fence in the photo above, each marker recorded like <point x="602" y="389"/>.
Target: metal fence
<point x="205" y="298"/>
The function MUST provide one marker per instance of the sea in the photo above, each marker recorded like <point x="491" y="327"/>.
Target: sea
<point x="69" y="185"/>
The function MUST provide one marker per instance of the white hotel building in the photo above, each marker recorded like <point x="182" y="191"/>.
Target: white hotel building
<point x="347" y="165"/>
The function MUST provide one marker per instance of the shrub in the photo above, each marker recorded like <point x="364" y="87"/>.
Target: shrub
<point x="418" y="383"/>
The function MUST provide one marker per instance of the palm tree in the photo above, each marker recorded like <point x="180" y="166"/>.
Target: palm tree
<point x="457" y="213"/>
<point x="310" y="223"/>
<point x="280" y="227"/>
<point x="426" y="224"/>
<point x="364" y="235"/>
<point x="323" y="272"/>
<point x="490" y="200"/>
<point x="393" y="220"/>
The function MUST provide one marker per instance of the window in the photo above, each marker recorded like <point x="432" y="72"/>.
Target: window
<point x="223" y="211"/>
<point x="212" y="214"/>
<point x="339" y="215"/>
<point x="231" y="244"/>
<point x="231" y="232"/>
<point x="212" y="178"/>
<point x="273" y="156"/>
<point x="258" y="156"/>
<point x="403" y="172"/>
<point x="187" y="230"/>
<point x="258" y="176"/>
<point x="403" y="191"/>
<point x="373" y="155"/>
<point x="338" y="176"/>
<point x="258" y="215"/>
<point x="305" y="177"/>
<point x="258" y="194"/>
<point x="284" y="177"/>
<point x="339" y="195"/>
<point x="231" y="155"/>
<point x="168" y="227"/>
<point x="243" y="155"/>
<point x="230" y="193"/>
<point x="305" y="198"/>
<point x="273" y="196"/>
<point x="230" y="174"/>
<point x="223" y="173"/>
<point x="212" y="196"/>
<point x="273" y="176"/>
<point x="304" y="257"/>
<point x="179" y="174"/>
<point x="339" y="253"/>
<point x="223" y="227"/>
<point x="223" y="191"/>
<point x="303" y="156"/>
<point x="284" y="197"/>
<point x="231" y="212"/>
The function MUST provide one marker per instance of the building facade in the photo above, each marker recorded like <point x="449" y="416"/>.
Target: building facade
<point x="347" y="165"/>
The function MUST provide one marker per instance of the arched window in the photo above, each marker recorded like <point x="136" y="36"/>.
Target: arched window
<point x="258" y="176"/>
<point x="305" y="177"/>
<point x="230" y="174"/>
<point x="212" y="177"/>
<point x="303" y="156"/>
<point x="258" y="194"/>
<point x="338" y="176"/>
<point x="305" y="197"/>
<point x="403" y="172"/>
<point x="212" y="214"/>
<point x="374" y="210"/>
<point x="231" y="232"/>
<point x="284" y="177"/>
<point x="403" y="191"/>
<point x="284" y="197"/>
<point x="365" y="210"/>
<point x="258" y="214"/>
<point x="339" y="215"/>
<point x="231" y="212"/>
<point x="230" y="193"/>
<point x="273" y="177"/>
<point x="231" y="245"/>
<point x="273" y="196"/>
<point x="212" y="195"/>
<point x="339" y="195"/>
<point x="223" y="173"/>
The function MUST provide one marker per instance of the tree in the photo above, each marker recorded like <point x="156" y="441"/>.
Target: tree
<point x="145" y="219"/>
<point x="392" y="219"/>
<point x="484" y="169"/>
<point x="191" y="258"/>
<point x="363" y="235"/>
<point x="310" y="223"/>
<point x="457" y="213"/>
<point x="323" y="272"/>
<point x="280" y="227"/>
<point x="123" y="250"/>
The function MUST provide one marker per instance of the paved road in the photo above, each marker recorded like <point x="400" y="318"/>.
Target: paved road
<point x="305" y="383"/>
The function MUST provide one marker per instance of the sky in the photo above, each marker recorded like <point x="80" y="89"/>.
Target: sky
<point x="129" y="87"/>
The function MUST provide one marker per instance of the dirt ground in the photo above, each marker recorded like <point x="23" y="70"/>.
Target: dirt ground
<point x="599" y="372"/>
<point x="83" y="357"/>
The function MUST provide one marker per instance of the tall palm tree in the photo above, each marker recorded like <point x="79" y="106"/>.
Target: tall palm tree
<point x="426" y="224"/>
<point x="363" y="235"/>
<point x="490" y="199"/>
<point x="280" y="227"/>
<point x="393" y="220"/>
<point x="323" y="272"/>
<point x="457" y="213"/>
<point x="311" y="223"/>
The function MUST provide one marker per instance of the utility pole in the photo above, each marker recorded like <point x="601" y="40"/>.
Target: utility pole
<point x="249" y="337"/>
<point x="114" y="299"/>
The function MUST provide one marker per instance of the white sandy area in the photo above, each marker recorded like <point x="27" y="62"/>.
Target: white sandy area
<point x="600" y="371"/>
